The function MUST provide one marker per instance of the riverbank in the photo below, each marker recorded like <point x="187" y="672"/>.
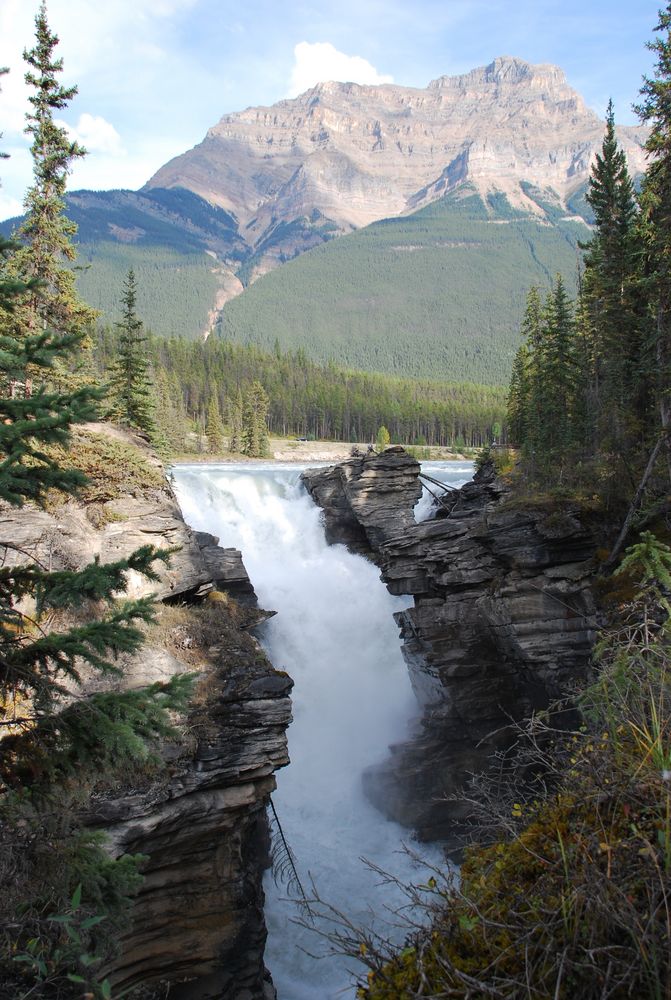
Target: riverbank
<point x="292" y="450"/>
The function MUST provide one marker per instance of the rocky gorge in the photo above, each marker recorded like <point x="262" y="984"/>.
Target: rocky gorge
<point x="198" y="815"/>
<point x="504" y="617"/>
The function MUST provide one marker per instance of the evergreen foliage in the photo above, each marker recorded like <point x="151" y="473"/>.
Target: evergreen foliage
<point x="130" y="385"/>
<point x="544" y="396"/>
<point x="611" y="308"/>
<point x="235" y="411"/>
<point x="45" y="235"/>
<point x="581" y="397"/>
<point x="655" y="110"/>
<point x="254" y="422"/>
<point x="214" y="427"/>
<point x="307" y="399"/>
<point x="176" y="286"/>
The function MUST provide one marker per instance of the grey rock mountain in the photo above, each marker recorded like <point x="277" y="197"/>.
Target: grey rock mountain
<point x="268" y="183"/>
<point x="352" y="154"/>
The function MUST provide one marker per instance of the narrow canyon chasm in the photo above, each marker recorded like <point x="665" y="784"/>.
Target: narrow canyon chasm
<point x="496" y="615"/>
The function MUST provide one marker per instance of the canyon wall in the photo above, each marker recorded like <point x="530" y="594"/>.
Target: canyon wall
<point x="198" y="815"/>
<point x="503" y="618"/>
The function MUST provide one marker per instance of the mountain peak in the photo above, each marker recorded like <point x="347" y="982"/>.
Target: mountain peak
<point x="349" y="153"/>
<point x="506" y="70"/>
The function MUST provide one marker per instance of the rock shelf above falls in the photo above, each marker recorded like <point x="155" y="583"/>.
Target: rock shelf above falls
<point x="503" y="620"/>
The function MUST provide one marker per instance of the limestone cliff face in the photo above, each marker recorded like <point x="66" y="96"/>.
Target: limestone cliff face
<point x="362" y="496"/>
<point x="503" y="620"/>
<point x="197" y="923"/>
<point x="197" y="928"/>
<point x="353" y="154"/>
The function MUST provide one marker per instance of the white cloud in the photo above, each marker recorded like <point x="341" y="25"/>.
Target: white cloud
<point x="95" y="134"/>
<point x="320" y="61"/>
<point x="9" y="207"/>
<point x="102" y="171"/>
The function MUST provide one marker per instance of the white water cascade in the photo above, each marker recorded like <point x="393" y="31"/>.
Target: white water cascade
<point x="334" y="633"/>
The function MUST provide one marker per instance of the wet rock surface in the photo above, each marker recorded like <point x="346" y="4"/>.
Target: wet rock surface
<point x="226" y="567"/>
<point x="503" y="620"/>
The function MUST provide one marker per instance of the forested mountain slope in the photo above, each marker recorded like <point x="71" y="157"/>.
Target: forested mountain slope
<point x="439" y="293"/>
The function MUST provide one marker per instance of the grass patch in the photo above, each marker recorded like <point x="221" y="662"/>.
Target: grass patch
<point x="113" y="468"/>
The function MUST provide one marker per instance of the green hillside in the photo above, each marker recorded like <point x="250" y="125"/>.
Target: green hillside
<point x="168" y="237"/>
<point x="439" y="293"/>
<point x="175" y="292"/>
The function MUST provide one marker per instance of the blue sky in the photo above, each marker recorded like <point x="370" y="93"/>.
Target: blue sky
<point x="153" y="75"/>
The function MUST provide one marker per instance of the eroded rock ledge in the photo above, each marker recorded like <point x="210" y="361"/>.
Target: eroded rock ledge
<point x="503" y="618"/>
<point x="197" y="928"/>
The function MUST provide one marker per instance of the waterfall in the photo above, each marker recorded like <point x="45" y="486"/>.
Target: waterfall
<point x="334" y="633"/>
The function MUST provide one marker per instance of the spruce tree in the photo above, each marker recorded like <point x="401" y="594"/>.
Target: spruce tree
<point x="214" y="428"/>
<point x="130" y="385"/>
<point x="254" y="422"/>
<point x="170" y="419"/>
<point x="528" y="392"/>
<point x="557" y="373"/>
<point x="610" y="313"/>
<point x="46" y="251"/>
<point x="235" y="420"/>
<point x="518" y="398"/>
<point x="655" y="110"/>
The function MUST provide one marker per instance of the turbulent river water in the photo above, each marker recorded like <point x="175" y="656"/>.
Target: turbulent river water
<point x="334" y="633"/>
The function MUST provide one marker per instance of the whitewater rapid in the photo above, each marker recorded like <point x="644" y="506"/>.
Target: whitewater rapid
<point x="335" y="635"/>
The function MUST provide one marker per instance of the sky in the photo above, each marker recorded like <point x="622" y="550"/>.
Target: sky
<point x="154" y="75"/>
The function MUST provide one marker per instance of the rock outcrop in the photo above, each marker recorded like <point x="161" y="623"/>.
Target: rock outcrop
<point x="503" y="620"/>
<point x="197" y="923"/>
<point x="197" y="927"/>
<point x="364" y="496"/>
<point x="226" y="567"/>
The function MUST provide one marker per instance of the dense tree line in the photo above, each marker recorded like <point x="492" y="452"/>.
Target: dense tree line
<point x="589" y="393"/>
<point x="311" y="400"/>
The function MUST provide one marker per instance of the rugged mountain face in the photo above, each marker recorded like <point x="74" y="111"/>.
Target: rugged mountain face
<point x="503" y="619"/>
<point x="196" y="929"/>
<point x="353" y="154"/>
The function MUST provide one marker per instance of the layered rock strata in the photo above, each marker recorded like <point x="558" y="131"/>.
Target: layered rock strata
<point x="197" y="924"/>
<point x="352" y="153"/>
<point x="197" y="929"/>
<point x="503" y="619"/>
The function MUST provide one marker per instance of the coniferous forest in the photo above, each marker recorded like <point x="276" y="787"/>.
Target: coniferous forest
<point x="308" y="400"/>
